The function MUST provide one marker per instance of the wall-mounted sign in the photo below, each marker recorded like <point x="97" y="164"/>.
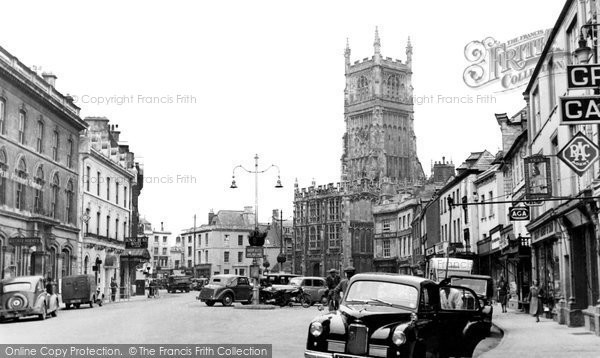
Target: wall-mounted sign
<point x="579" y="154"/>
<point x="25" y="241"/>
<point x="254" y="252"/>
<point x="583" y="76"/>
<point x="579" y="110"/>
<point x="538" y="183"/>
<point x="136" y="242"/>
<point x="495" y="241"/>
<point x="430" y="251"/>
<point x="519" y="213"/>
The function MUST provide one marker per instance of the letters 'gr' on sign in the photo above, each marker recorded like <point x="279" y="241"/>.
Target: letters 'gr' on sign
<point x="583" y="76"/>
<point x="579" y="154"/>
<point x="254" y="252"/>
<point x="579" y="110"/>
<point x="518" y="213"/>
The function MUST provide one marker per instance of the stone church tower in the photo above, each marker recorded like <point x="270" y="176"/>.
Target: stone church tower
<point x="378" y="110"/>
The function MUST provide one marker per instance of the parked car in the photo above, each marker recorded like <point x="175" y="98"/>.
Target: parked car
<point x="277" y="279"/>
<point x="26" y="296"/>
<point x="79" y="289"/>
<point x="179" y="283"/>
<point x="316" y="287"/>
<point x="482" y="285"/>
<point x="226" y="289"/>
<point x="390" y="315"/>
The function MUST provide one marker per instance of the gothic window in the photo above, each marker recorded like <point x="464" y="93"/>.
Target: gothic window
<point x="393" y="86"/>
<point x="334" y="235"/>
<point x="66" y="262"/>
<point x="70" y="203"/>
<point x="3" y="168"/>
<point x="20" y="187"/>
<point x="54" y="199"/>
<point x="86" y="263"/>
<point x="334" y="209"/>
<point x="38" y="195"/>
<point x="312" y="238"/>
<point x="362" y="88"/>
<point x="2" y="114"/>
<point x="52" y="264"/>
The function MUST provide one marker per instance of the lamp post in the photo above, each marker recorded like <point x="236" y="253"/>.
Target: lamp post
<point x="450" y="204"/>
<point x="255" y="275"/>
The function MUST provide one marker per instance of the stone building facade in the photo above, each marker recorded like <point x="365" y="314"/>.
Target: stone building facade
<point x="39" y="140"/>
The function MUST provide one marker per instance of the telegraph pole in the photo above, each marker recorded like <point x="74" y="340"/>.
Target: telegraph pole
<point x="194" y="249"/>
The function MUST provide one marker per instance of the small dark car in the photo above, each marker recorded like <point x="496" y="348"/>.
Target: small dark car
<point x="390" y="315"/>
<point x="226" y="289"/>
<point x="26" y="296"/>
<point x="79" y="289"/>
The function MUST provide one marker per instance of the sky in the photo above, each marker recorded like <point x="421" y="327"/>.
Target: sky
<point x="199" y="87"/>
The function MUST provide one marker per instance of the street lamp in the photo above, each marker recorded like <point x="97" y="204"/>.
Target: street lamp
<point x="256" y="236"/>
<point x="450" y="205"/>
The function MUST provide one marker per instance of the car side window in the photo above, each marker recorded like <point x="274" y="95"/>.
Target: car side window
<point x="307" y="283"/>
<point x="320" y="283"/>
<point x="425" y="302"/>
<point x="243" y="281"/>
<point x="458" y="299"/>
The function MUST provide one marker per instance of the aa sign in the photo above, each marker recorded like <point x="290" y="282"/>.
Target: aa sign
<point x="579" y="154"/>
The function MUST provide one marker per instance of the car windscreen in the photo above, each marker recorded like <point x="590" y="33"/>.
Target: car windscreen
<point x="16" y="286"/>
<point x="380" y="292"/>
<point x="479" y="286"/>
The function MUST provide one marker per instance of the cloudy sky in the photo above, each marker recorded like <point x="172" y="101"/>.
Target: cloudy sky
<point x="262" y="77"/>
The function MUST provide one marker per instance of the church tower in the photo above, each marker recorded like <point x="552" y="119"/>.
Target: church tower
<point x="378" y="111"/>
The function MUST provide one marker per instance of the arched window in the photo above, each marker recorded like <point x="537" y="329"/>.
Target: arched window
<point x="70" y="204"/>
<point x="393" y="86"/>
<point x="66" y="262"/>
<point x="55" y="146"/>
<point x="54" y="201"/>
<point x="362" y="88"/>
<point x="3" y="168"/>
<point x="39" y="145"/>
<point x="38" y="194"/>
<point x="20" y="187"/>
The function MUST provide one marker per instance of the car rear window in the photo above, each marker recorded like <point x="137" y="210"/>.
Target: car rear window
<point x="17" y="286"/>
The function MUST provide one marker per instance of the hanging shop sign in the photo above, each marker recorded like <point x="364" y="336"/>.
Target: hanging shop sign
<point x="518" y="213"/>
<point x="538" y="183"/>
<point x="583" y="76"/>
<point x="579" y="154"/>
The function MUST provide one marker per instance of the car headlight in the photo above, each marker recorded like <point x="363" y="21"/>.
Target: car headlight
<point x="399" y="337"/>
<point x="316" y="328"/>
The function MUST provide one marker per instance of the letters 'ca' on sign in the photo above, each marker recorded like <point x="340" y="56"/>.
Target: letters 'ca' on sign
<point x="583" y="76"/>
<point x="579" y="154"/>
<point x="579" y="110"/>
<point x="518" y="213"/>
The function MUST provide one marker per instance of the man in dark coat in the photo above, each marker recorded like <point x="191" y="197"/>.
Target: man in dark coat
<point x="332" y="281"/>
<point x="341" y="288"/>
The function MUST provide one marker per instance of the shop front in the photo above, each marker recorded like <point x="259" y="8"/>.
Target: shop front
<point x="515" y="255"/>
<point x="404" y="266"/>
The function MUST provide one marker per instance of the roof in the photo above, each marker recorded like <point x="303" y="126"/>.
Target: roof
<point x="30" y="279"/>
<point x="391" y="277"/>
<point x="232" y="218"/>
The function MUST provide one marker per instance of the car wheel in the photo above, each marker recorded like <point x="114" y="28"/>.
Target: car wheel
<point x="67" y="306"/>
<point x="227" y="300"/>
<point x="44" y="313"/>
<point x="305" y="300"/>
<point x="210" y="303"/>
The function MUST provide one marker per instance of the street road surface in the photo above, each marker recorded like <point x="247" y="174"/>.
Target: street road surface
<point x="171" y="318"/>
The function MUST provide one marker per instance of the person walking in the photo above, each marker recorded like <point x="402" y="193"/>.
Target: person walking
<point x="332" y="281"/>
<point x="113" y="290"/>
<point x="535" y="300"/>
<point x="342" y="287"/>
<point x="502" y="293"/>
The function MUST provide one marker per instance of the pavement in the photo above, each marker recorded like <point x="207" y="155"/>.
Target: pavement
<point x="523" y="337"/>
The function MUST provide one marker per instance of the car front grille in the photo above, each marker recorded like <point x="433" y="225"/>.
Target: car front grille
<point x="357" y="339"/>
<point x="206" y="293"/>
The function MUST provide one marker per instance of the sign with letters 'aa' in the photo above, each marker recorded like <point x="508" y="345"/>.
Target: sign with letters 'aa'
<point x="579" y="154"/>
<point x="579" y="110"/>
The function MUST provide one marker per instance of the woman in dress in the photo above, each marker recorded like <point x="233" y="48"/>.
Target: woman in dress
<point x="535" y="300"/>
<point x="502" y="293"/>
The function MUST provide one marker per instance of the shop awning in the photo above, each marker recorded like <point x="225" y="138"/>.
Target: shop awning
<point x="110" y="260"/>
<point x="136" y="254"/>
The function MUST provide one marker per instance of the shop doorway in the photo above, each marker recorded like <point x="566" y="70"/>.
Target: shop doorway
<point x="585" y="266"/>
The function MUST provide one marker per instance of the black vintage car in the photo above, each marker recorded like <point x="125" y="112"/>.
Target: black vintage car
<point x="482" y="285"/>
<point x="226" y="289"/>
<point x="389" y="315"/>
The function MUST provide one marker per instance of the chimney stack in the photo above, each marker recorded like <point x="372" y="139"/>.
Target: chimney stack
<point x="162" y="228"/>
<point x="50" y="78"/>
<point x="211" y="215"/>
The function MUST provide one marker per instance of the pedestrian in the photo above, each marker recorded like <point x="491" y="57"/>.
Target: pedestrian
<point x="340" y="289"/>
<point x="502" y="293"/>
<point x="113" y="290"/>
<point x="332" y="281"/>
<point x="535" y="300"/>
<point x="48" y="285"/>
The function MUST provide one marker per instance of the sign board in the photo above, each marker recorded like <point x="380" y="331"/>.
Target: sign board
<point x="579" y="154"/>
<point x="538" y="183"/>
<point x="25" y="241"/>
<point x="430" y="251"/>
<point x="533" y="203"/>
<point x="519" y="213"/>
<point x="583" y="76"/>
<point x="495" y="240"/>
<point x="254" y="252"/>
<point x="579" y="110"/>
<point x="140" y="242"/>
